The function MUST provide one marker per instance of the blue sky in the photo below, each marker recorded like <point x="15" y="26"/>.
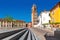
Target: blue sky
<point x="21" y="9"/>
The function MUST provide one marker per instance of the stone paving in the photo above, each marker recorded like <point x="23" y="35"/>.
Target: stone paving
<point x="36" y="31"/>
<point x="38" y="34"/>
<point x="2" y="30"/>
<point x="41" y="32"/>
<point x="20" y="34"/>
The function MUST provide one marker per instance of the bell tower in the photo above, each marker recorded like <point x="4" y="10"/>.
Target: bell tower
<point x="34" y="15"/>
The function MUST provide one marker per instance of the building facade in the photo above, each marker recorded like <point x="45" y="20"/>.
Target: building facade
<point x="55" y="15"/>
<point x="34" y="15"/>
<point x="44" y="19"/>
<point x="11" y="24"/>
<point x="19" y="23"/>
<point x="30" y="24"/>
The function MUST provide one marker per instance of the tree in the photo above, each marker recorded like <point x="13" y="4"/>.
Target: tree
<point x="8" y="18"/>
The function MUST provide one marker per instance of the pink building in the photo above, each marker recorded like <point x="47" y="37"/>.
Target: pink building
<point x="30" y="24"/>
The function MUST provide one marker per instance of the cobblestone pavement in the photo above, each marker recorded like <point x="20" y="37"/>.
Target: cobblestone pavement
<point x="41" y="32"/>
<point x="37" y="33"/>
<point x="19" y="34"/>
<point x="2" y="30"/>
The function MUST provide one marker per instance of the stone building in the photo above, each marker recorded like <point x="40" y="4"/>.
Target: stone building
<point x="34" y="15"/>
<point x="5" y="23"/>
<point x="19" y="23"/>
<point x="11" y="24"/>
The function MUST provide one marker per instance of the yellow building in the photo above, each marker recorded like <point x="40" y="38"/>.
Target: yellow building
<point x="55" y="14"/>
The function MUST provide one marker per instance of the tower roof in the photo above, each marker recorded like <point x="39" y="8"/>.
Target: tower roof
<point x="34" y="6"/>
